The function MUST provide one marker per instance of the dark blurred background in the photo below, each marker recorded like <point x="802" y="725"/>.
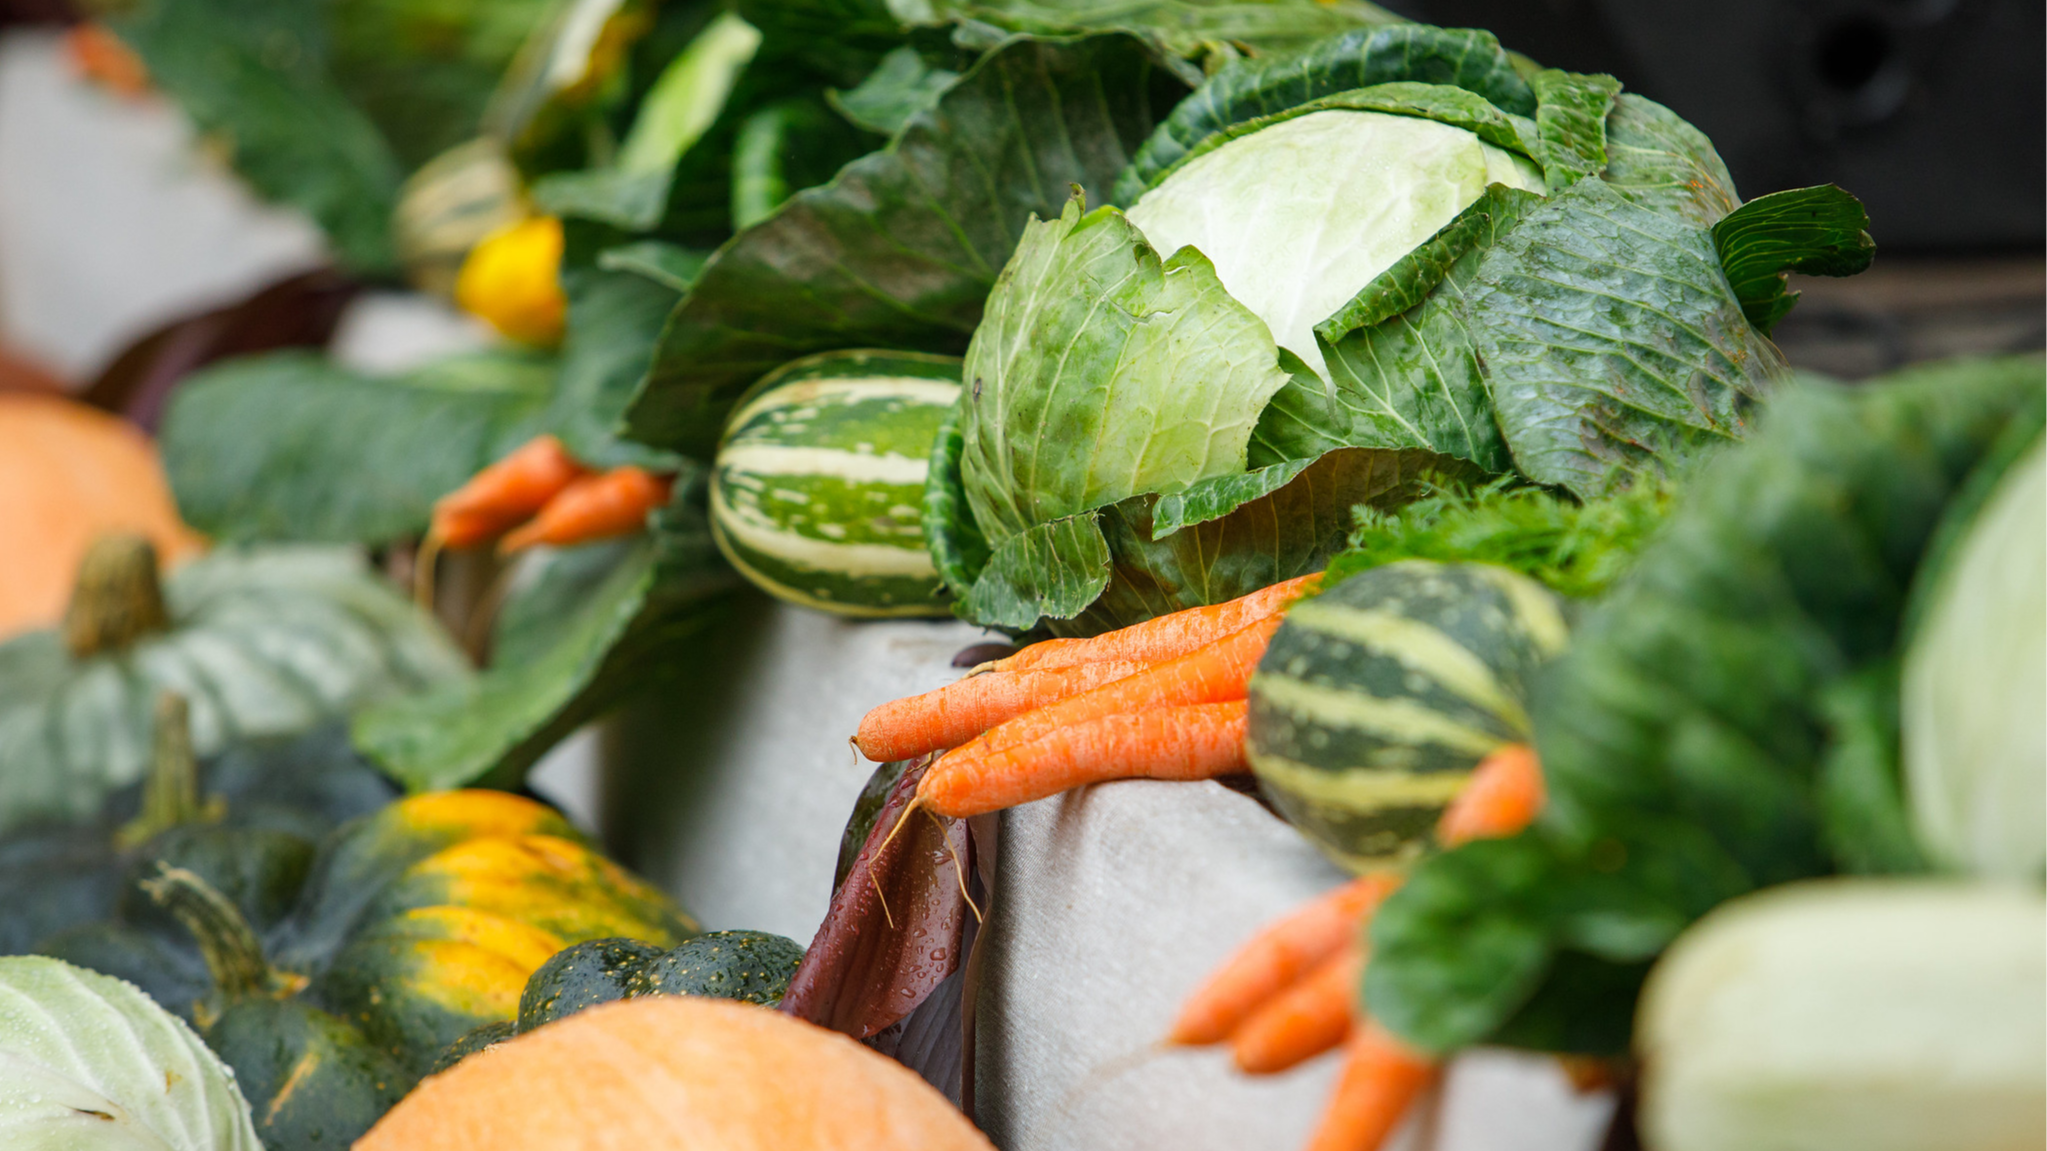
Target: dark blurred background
<point x="1931" y="111"/>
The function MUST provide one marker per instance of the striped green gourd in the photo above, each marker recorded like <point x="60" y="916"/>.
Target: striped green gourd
<point x="1378" y="697"/>
<point x="819" y="481"/>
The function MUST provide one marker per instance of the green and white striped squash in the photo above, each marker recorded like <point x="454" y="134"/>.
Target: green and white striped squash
<point x="88" y="1061"/>
<point x="1378" y="697"/>
<point x="261" y="642"/>
<point x="819" y="483"/>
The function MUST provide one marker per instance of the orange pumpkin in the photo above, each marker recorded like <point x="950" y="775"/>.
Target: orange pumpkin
<point x="669" y="1073"/>
<point x="68" y="474"/>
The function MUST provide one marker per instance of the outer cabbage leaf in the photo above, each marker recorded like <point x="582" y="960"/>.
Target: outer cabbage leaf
<point x="1570" y="124"/>
<point x="1656" y="159"/>
<point x="901" y="248"/>
<point x="595" y="627"/>
<point x="1610" y="340"/>
<point x="614" y="316"/>
<point x="1251" y="89"/>
<point x="902" y="85"/>
<point x="1820" y="231"/>
<point x="1690" y="733"/>
<point x="1102" y="372"/>
<point x="1187" y="28"/>
<point x="92" y="1062"/>
<point x="287" y="446"/>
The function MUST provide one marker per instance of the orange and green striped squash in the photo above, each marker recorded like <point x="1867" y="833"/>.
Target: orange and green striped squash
<point x="331" y="985"/>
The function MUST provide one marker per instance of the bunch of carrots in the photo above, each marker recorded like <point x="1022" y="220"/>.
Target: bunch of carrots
<point x="1288" y="995"/>
<point x="1163" y="699"/>
<point x="1166" y="699"/>
<point x="539" y="494"/>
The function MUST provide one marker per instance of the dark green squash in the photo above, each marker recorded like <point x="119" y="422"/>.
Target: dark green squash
<point x="329" y="980"/>
<point x="55" y="875"/>
<point x="1378" y="697"/>
<point x="749" y="966"/>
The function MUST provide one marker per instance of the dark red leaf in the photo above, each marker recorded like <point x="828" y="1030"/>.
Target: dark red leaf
<point x="894" y="929"/>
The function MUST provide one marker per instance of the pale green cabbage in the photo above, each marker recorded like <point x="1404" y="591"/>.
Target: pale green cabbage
<point x="1298" y="216"/>
<point x="1975" y="684"/>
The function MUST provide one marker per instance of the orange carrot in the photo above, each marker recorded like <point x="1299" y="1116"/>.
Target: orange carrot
<point x="1197" y="741"/>
<point x="1167" y="636"/>
<point x="98" y="55"/>
<point x="1303" y="1021"/>
<point x="505" y="494"/>
<point x="1380" y="1079"/>
<point x="1217" y="673"/>
<point x="1277" y="957"/>
<point x="957" y="712"/>
<point x="598" y="507"/>
<point x="1503" y="796"/>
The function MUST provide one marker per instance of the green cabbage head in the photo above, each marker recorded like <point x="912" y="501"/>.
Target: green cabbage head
<point x="1329" y="279"/>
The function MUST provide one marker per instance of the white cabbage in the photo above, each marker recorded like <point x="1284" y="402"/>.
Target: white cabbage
<point x="1974" y="708"/>
<point x="1298" y="216"/>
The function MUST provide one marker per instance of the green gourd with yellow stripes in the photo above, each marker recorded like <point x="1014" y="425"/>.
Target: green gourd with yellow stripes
<point x="1378" y="697"/>
<point x="818" y="488"/>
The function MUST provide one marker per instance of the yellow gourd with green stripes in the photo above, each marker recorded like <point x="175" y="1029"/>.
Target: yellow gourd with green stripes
<point x="1378" y="697"/>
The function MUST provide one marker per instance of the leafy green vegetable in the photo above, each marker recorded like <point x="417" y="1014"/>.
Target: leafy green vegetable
<point x="689" y="95"/>
<point x="1610" y="342"/>
<point x="1081" y="387"/>
<point x="1294" y="251"/>
<point x="256" y="75"/>
<point x="1186" y="27"/>
<point x="1401" y="365"/>
<point x="1976" y="669"/>
<point x="902" y="85"/>
<point x="614" y="317"/>
<point x="1570" y="124"/>
<point x="425" y="70"/>
<point x="784" y="148"/>
<point x="1575" y="549"/>
<point x="900" y="249"/>
<point x="596" y="625"/>
<point x="1703" y="736"/>
<point x="287" y="446"/>
<point x="1820" y="231"/>
<point x="1252" y="89"/>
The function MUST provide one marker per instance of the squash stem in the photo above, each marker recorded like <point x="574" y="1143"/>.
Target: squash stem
<point x="117" y="599"/>
<point x="234" y="956"/>
<point x="170" y="795"/>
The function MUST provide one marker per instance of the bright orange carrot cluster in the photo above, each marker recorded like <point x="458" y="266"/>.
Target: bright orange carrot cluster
<point x="1287" y="995"/>
<point x="541" y="495"/>
<point x="1164" y="699"/>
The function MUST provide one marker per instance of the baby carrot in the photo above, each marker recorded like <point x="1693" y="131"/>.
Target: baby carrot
<point x="598" y="507"/>
<point x="957" y="712"/>
<point x="1503" y="796"/>
<point x="1303" y="1021"/>
<point x="1197" y="741"/>
<point x="1217" y="673"/>
<point x="1379" y="1082"/>
<point x="1277" y="957"/>
<point x="505" y="494"/>
<point x="1168" y="635"/>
